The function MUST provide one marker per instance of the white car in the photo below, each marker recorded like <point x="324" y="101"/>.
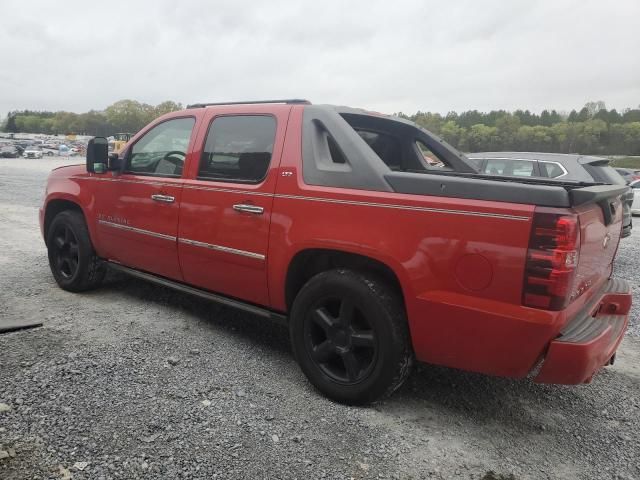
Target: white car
<point x="635" y="206"/>
<point x="32" y="152"/>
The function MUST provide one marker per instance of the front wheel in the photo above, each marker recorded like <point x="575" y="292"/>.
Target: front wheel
<point x="72" y="259"/>
<point x="349" y="334"/>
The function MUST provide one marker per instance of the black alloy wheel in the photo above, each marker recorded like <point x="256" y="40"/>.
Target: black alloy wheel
<point x="350" y="336"/>
<point x="73" y="261"/>
<point x="342" y="342"/>
<point x="65" y="251"/>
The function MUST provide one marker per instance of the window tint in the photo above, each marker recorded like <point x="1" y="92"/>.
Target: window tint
<point x="603" y="173"/>
<point x="477" y="162"/>
<point x="162" y="150"/>
<point x="238" y="148"/>
<point x="518" y="168"/>
<point x="552" y="170"/>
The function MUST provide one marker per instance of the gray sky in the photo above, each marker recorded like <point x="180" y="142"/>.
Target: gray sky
<point x="385" y="55"/>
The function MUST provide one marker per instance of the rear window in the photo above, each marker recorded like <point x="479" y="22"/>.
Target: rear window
<point x="603" y="173"/>
<point x="387" y="147"/>
<point x="517" y="168"/>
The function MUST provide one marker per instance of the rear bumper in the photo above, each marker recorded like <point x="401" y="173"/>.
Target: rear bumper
<point x="590" y="339"/>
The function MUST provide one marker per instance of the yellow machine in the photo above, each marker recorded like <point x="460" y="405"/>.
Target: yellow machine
<point x="118" y="141"/>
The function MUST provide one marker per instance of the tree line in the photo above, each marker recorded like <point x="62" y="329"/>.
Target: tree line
<point x="126" y="116"/>
<point x="594" y="129"/>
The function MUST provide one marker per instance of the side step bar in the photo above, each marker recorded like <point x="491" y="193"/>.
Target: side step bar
<point x="214" y="297"/>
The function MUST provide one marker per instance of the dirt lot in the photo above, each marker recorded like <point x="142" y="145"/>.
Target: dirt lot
<point x="142" y="382"/>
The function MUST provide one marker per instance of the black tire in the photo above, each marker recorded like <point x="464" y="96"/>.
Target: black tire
<point x="72" y="259"/>
<point x="350" y="337"/>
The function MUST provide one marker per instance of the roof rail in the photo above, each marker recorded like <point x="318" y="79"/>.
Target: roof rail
<point x="287" y="101"/>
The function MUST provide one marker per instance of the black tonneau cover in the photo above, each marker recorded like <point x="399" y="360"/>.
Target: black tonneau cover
<point x="532" y="191"/>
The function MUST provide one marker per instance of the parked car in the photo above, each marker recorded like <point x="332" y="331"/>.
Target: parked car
<point x="9" y="151"/>
<point x="628" y="174"/>
<point x="330" y="220"/>
<point x="581" y="168"/>
<point x="635" y="207"/>
<point x="32" y="152"/>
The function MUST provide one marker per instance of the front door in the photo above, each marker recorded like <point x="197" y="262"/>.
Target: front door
<point x="227" y="201"/>
<point x="137" y="214"/>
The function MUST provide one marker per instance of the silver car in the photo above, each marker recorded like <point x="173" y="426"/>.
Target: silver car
<point x="635" y="206"/>
<point x="581" y="168"/>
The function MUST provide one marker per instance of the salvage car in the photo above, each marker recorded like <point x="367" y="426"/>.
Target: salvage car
<point x="330" y="220"/>
<point x="635" y="207"/>
<point x="9" y="151"/>
<point x="556" y="165"/>
<point x="32" y="152"/>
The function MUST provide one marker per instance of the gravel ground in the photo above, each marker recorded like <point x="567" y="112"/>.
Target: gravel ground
<point x="137" y="381"/>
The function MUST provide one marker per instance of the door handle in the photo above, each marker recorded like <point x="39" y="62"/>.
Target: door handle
<point x="243" y="207"/>
<point x="163" y="198"/>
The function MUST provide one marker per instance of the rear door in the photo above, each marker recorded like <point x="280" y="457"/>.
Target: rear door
<point x="138" y="210"/>
<point x="227" y="201"/>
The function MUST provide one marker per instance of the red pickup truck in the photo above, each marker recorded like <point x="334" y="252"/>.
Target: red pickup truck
<point x="372" y="239"/>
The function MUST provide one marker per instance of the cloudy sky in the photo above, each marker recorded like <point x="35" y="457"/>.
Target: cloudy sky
<point x="430" y="55"/>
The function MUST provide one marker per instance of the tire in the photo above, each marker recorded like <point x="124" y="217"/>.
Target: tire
<point x="72" y="259"/>
<point x="350" y="337"/>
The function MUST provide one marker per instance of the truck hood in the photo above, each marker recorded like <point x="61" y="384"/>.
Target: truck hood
<point x="69" y="170"/>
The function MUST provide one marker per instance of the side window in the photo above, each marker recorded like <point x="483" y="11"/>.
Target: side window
<point x="552" y="170"/>
<point x="428" y="156"/>
<point x="518" y="168"/>
<point x="477" y="162"/>
<point x="162" y="150"/>
<point x="238" y="148"/>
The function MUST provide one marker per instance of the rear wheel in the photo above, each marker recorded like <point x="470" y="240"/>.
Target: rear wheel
<point x="349" y="335"/>
<point x="72" y="259"/>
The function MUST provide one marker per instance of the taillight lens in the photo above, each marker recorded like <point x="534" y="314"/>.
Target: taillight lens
<point x="552" y="259"/>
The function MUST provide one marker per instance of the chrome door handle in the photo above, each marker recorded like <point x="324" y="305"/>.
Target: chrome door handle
<point x="163" y="198"/>
<point x="243" y="207"/>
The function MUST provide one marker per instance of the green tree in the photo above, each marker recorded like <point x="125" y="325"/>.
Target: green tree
<point x="166" y="107"/>
<point x="129" y="115"/>
<point x="480" y="138"/>
<point x="507" y="127"/>
<point x="452" y="133"/>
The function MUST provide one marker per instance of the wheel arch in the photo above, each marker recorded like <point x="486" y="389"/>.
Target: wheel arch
<point x="309" y="262"/>
<point x="54" y="207"/>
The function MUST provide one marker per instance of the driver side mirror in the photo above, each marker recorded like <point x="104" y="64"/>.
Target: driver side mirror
<point x="97" y="155"/>
<point x="115" y="163"/>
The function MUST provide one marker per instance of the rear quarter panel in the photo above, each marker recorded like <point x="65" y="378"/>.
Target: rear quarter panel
<point x="460" y="262"/>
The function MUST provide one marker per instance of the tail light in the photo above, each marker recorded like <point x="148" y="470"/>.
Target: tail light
<point x="552" y="260"/>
